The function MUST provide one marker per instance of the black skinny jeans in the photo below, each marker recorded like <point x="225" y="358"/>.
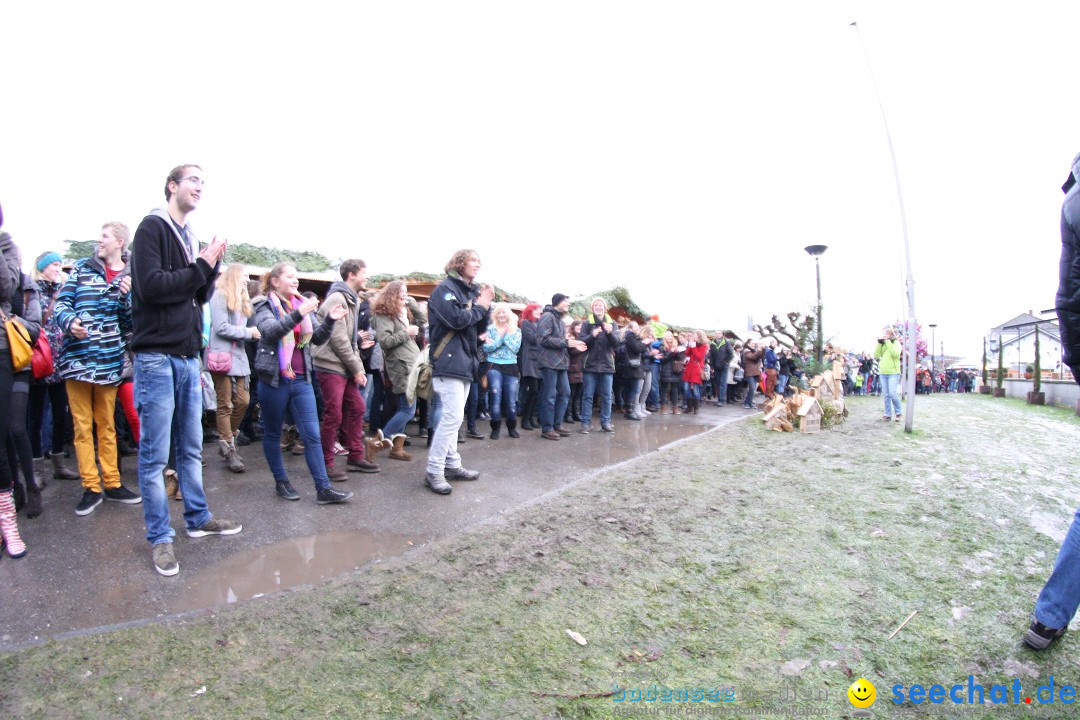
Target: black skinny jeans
<point x="56" y="394"/>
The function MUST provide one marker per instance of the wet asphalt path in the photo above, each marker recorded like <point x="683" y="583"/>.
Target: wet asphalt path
<point x="89" y="573"/>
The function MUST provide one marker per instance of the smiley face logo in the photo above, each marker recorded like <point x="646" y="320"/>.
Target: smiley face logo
<point x="862" y="693"/>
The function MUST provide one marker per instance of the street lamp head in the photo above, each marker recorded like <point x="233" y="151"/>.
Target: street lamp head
<point x="816" y="250"/>
<point x="933" y="325"/>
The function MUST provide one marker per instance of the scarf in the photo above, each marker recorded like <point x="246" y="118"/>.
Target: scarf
<point x="287" y="343"/>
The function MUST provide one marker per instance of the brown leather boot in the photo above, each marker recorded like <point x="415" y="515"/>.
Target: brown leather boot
<point x="398" y="451"/>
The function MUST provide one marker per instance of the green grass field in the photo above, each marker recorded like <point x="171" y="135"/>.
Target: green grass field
<point x="767" y="562"/>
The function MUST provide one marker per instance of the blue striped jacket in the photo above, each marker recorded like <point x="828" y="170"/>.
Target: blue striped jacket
<point x="105" y="313"/>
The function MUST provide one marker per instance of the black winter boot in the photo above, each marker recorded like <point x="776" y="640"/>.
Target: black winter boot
<point x="511" y="428"/>
<point x="495" y="426"/>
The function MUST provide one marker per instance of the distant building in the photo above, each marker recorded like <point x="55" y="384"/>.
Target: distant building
<point x="1017" y="338"/>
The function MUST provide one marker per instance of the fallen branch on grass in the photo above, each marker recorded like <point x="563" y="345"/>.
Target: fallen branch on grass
<point x="574" y="697"/>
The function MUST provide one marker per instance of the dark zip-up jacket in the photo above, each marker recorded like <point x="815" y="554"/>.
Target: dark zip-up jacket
<point x="169" y="290"/>
<point x="452" y="307"/>
<point x="551" y="337"/>
<point x="600" y="357"/>
<point x="1068" y="293"/>
<point x="272" y="328"/>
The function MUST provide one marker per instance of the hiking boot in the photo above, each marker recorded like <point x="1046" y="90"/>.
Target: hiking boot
<point x="172" y="485"/>
<point x="213" y="526"/>
<point x="336" y="474"/>
<point x="288" y="437"/>
<point x="233" y="459"/>
<point x="123" y="495"/>
<point x="298" y="447"/>
<point x="550" y="435"/>
<point x="165" y="559"/>
<point x="562" y="433"/>
<point x="328" y="496"/>
<point x="61" y="471"/>
<point x="460" y="473"/>
<point x="399" y="452"/>
<point x="362" y="466"/>
<point x="437" y="484"/>
<point x="1039" y="637"/>
<point x="284" y="489"/>
<point x="90" y="500"/>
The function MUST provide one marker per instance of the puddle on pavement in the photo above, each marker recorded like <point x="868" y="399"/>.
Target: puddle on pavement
<point x="306" y="560"/>
<point x="636" y="439"/>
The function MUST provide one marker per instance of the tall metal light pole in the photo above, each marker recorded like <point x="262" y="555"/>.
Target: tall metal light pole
<point x="909" y="380"/>
<point x="933" y="345"/>
<point x="816" y="251"/>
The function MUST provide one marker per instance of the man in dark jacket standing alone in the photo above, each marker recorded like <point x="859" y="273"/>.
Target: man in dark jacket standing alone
<point x="1060" y="597"/>
<point x="171" y="279"/>
<point x="720" y="357"/>
<point x="457" y="314"/>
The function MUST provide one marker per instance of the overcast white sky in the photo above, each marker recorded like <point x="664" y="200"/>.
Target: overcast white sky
<point x="687" y="151"/>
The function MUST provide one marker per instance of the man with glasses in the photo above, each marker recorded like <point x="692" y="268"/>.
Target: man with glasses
<point x="171" y="279"/>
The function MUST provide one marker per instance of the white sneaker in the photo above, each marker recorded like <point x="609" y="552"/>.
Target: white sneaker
<point x="339" y="449"/>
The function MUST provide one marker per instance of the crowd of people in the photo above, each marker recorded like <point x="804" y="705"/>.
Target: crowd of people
<point x="196" y="351"/>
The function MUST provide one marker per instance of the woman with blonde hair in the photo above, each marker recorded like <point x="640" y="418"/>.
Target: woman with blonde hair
<point x="648" y="337"/>
<point x="396" y="335"/>
<point x="672" y="356"/>
<point x="226" y="357"/>
<point x="502" y="341"/>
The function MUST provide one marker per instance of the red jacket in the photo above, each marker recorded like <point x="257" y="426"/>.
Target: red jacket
<point x="695" y="363"/>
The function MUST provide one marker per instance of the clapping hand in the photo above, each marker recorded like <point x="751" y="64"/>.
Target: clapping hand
<point x="213" y="252"/>
<point x="336" y="313"/>
<point x="310" y="305"/>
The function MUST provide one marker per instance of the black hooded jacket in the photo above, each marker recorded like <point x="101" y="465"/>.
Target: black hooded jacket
<point x="1068" y="294"/>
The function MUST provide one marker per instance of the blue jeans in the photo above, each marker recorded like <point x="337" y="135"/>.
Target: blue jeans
<point x="890" y="388"/>
<point x="690" y="389"/>
<point x="502" y="395"/>
<point x="298" y="396"/>
<point x="589" y="385"/>
<point x="1060" y="596"/>
<point x="556" y="398"/>
<point x="751" y="387"/>
<point x="781" y="383"/>
<point x="168" y="397"/>
<point x="405" y="411"/>
<point x="654" y="389"/>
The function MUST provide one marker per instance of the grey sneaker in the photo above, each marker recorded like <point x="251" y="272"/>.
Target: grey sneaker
<point x="165" y="560"/>
<point x="437" y="484"/>
<point x="213" y="526"/>
<point x="460" y="473"/>
<point x="122" y="494"/>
